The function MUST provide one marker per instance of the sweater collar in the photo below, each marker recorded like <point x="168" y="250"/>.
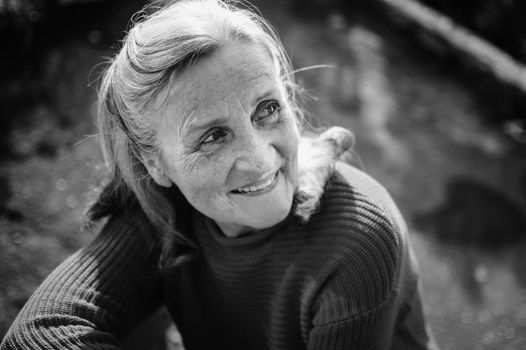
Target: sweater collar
<point x="206" y="229"/>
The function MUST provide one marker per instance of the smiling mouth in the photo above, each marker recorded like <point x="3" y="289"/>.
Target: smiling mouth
<point x="262" y="187"/>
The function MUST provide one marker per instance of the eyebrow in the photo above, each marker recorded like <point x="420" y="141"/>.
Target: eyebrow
<point x="223" y="120"/>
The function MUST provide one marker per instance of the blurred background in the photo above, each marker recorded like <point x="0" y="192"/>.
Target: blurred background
<point x="435" y="92"/>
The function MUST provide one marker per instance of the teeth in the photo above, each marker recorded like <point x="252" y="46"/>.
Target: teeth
<point x="256" y="188"/>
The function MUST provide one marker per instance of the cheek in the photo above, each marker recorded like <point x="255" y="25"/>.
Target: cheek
<point x="289" y="139"/>
<point x="204" y="188"/>
<point x="203" y="177"/>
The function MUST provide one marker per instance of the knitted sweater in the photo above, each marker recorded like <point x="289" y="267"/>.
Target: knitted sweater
<point x="344" y="280"/>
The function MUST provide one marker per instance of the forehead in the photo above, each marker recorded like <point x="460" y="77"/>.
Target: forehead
<point x="234" y="75"/>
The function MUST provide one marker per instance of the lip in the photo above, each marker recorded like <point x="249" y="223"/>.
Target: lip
<point x="274" y="176"/>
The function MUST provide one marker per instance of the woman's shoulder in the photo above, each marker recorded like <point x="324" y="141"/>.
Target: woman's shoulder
<point x="129" y="234"/>
<point x="355" y="191"/>
<point x="361" y="226"/>
<point x="355" y="201"/>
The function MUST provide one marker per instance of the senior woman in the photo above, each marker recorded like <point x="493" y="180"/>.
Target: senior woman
<point x="252" y="236"/>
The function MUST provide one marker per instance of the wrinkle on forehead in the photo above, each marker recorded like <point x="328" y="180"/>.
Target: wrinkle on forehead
<point x="195" y="92"/>
<point x="220" y="101"/>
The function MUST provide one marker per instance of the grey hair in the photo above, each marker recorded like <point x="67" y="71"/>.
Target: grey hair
<point x="155" y="50"/>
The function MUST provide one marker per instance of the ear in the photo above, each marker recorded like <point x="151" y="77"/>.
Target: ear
<point x="156" y="172"/>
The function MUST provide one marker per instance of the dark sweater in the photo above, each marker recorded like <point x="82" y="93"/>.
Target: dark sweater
<point x="344" y="280"/>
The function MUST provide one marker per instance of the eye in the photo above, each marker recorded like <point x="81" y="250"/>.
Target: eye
<point x="266" y="110"/>
<point x="214" y="136"/>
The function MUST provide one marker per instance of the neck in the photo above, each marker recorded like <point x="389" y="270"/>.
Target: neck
<point x="233" y="230"/>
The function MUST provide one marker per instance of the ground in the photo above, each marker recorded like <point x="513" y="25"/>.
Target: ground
<point x="458" y="178"/>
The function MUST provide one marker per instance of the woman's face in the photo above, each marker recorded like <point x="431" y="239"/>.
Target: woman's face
<point x="229" y="140"/>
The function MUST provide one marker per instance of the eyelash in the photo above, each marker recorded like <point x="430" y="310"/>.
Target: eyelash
<point x="265" y="105"/>
<point x="275" y="111"/>
<point x="212" y="132"/>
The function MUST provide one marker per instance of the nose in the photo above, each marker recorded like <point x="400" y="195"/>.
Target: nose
<point x="256" y="154"/>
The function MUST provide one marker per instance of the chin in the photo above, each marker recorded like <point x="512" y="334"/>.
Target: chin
<point x="276" y="213"/>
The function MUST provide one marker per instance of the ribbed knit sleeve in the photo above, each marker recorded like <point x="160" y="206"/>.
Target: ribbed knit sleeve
<point x="371" y="329"/>
<point x="95" y="296"/>
<point x="357" y="305"/>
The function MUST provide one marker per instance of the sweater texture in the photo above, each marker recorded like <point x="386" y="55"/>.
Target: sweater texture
<point x="347" y="279"/>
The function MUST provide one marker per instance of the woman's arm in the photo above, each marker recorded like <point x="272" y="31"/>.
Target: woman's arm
<point x="357" y="306"/>
<point x="370" y="329"/>
<point x="94" y="297"/>
<point x="370" y="300"/>
<point x="393" y="323"/>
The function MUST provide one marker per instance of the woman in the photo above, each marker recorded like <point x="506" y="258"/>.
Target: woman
<point x="213" y="212"/>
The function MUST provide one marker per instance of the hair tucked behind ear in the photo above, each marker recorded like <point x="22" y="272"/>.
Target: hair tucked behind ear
<point x="155" y="50"/>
